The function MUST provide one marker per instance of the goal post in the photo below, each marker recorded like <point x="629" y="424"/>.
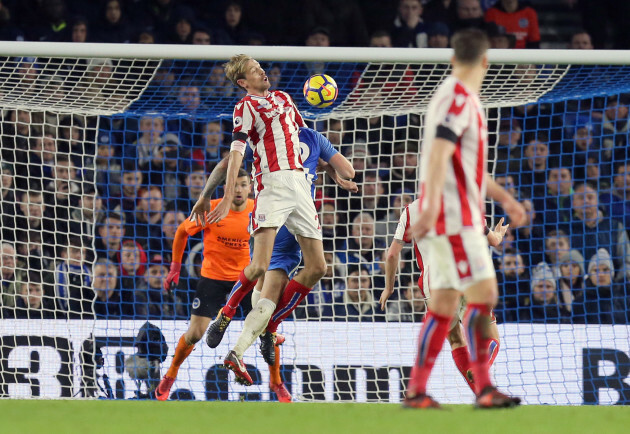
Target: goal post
<point x="103" y="156"/>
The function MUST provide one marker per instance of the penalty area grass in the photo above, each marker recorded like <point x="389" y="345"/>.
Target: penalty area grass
<point x="188" y="417"/>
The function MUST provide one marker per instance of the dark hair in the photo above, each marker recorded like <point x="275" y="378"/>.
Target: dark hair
<point x="356" y="268"/>
<point x="242" y="172"/>
<point x="470" y="45"/>
<point x="380" y="34"/>
<point x="110" y="215"/>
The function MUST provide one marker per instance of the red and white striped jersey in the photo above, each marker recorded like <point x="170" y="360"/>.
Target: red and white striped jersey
<point x="271" y="125"/>
<point x="407" y="217"/>
<point x="455" y="113"/>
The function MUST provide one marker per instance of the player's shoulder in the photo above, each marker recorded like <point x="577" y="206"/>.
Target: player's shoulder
<point x="412" y="209"/>
<point x="307" y="134"/>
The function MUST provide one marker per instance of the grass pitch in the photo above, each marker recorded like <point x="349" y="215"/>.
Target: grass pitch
<point x="153" y="417"/>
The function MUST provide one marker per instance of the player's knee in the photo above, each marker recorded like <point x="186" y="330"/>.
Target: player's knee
<point x="194" y="335"/>
<point x="256" y="270"/>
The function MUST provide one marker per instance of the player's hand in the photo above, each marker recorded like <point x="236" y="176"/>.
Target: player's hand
<point x="199" y="213"/>
<point x="172" y="278"/>
<point x="348" y="185"/>
<point x="219" y="212"/>
<point x="515" y="211"/>
<point x="387" y="292"/>
<point x="495" y="237"/>
<point x="426" y="222"/>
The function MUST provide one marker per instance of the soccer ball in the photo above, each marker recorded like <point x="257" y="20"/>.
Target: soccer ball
<point x="320" y="90"/>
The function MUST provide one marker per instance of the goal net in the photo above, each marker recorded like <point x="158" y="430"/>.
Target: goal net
<point x="103" y="158"/>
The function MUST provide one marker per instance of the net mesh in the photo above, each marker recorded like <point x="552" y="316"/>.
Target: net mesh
<point x="135" y="170"/>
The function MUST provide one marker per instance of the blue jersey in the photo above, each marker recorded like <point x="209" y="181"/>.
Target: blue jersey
<point x="286" y="250"/>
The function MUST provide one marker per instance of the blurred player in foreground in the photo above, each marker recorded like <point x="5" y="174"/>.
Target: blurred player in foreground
<point x="450" y="225"/>
<point x="226" y="252"/>
<point x="459" y="347"/>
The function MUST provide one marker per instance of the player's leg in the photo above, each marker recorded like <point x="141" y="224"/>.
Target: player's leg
<point x="298" y="288"/>
<point x="482" y="297"/>
<point x="435" y="327"/>
<point x="206" y="303"/>
<point x="256" y="321"/>
<point x="263" y="246"/>
<point x="493" y="349"/>
<point x="459" y="351"/>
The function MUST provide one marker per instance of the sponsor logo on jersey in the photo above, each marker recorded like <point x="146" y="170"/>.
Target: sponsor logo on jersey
<point x="523" y="22"/>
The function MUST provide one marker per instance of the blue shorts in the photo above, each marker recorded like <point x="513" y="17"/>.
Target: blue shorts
<point x="287" y="254"/>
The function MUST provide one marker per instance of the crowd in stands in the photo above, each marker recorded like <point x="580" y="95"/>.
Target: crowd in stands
<point x="90" y="207"/>
<point x="406" y="23"/>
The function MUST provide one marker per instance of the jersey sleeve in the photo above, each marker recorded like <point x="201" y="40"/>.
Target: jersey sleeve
<point x="243" y="120"/>
<point x="534" y="31"/>
<point x="326" y="149"/>
<point x="403" y="225"/>
<point x="454" y="116"/>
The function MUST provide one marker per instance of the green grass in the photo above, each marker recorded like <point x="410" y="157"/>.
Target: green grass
<point x="245" y="417"/>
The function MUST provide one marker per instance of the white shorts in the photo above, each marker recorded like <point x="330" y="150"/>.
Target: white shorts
<point x="284" y="198"/>
<point x="457" y="261"/>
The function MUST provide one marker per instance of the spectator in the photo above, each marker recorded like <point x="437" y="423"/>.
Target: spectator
<point x="513" y="281"/>
<point x="201" y="36"/>
<point x="438" y="35"/>
<point x="274" y="75"/>
<point x="218" y="86"/>
<point x="171" y="219"/>
<point x="166" y="167"/>
<point x="7" y="203"/>
<point x="345" y="20"/>
<point x="362" y="246"/>
<point x="532" y="169"/>
<point x="211" y="143"/>
<point x="325" y="291"/>
<point x="469" y="14"/>
<point x="386" y="227"/>
<point x="110" y="229"/>
<point x="111" y="300"/>
<point x="357" y="303"/>
<point x="570" y="272"/>
<point x="146" y="37"/>
<point x="444" y="11"/>
<point x="411" y="308"/>
<point x="615" y="128"/>
<point x="554" y="207"/>
<point x="233" y="31"/>
<point x="184" y="21"/>
<point x="381" y="38"/>
<point x="598" y="301"/>
<point x="131" y="182"/>
<point x="592" y="231"/>
<point x="556" y="244"/>
<point x="8" y="30"/>
<point x="543" y="301"/>
<point x="581" y="146"/>
<point x="108" y="171"/>
<point x="52" y="22"/>
<point x="114" y="26"/>
<point x="318" y="37"/>
<point x="133" y="264"/>
<point x="9" y="280"/>
<point x="36" y="217"/>
<point x="332" y="231"/>
<point x="79" y="31"/>
<point x="148" y="215"/>
<point x="73" y="281"/>
<point x="499" y="38"/>
<point x="617" y="201"/>
<point x="195" y="182"/>
<point x="150" y="132"/>
<point x="151" y="299"/>
<point x="374" y="197"/>
<point x="517" y="19"/>
<point x="84" y="215"/>
<point x="31" y="302"/>
<point x="409" y="28"/>
<point x="581" y="40"/>
<point x="404" y="171"/>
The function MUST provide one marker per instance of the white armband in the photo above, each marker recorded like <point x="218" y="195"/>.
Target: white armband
<point x="239" y="146"/>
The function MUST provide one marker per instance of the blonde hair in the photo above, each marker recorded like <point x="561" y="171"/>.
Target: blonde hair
<point x="235" y="69"/>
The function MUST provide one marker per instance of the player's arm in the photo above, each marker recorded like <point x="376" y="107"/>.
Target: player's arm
<point x="392" y="259"/>
<point x="186" y="228"/>
<point x="346" y="184"/>
<point x="243" y="123"/>
<point x="441" y="152"/>
<point x="201" y="209"/>
<point x="338" y="167"/>
<point x="511" y="206"/>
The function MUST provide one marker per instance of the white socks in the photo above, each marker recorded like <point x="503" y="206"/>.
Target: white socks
<point x="255" y="297"/>
<point x="254" y="325"/>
